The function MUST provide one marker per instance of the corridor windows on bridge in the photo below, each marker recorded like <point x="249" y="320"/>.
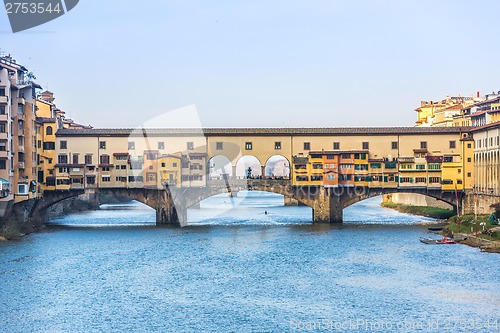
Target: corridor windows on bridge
<point x="307" y="146"/>
<point x="248" y="146"/>
<point x="190" y="145"/>
<point x="131" y="145"/>
<point x="62" y="159"/>
<point x="63" y="144"/>
<point x="88" y="159"/>
<point x="102" y="144"/>
<point x="365" y="145"/>
<point x="106" y="178"/>
<point x="420" y="180"/>
<point x="219" y="146"/>
<point x="302" y="178"/>
<point x="453" y="144"/>
<point x="336" y="145"/>
<point x="161" y="145"/>
<point x="75" y="158"/>
<point x="423" y="144"/>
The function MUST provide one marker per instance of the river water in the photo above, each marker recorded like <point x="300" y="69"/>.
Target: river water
<point x="245" y="264"/>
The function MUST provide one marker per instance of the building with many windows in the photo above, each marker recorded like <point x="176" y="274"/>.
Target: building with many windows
<point x="18" y="162"/>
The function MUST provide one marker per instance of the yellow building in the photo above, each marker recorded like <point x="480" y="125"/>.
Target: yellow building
<point x="169" y="170"/>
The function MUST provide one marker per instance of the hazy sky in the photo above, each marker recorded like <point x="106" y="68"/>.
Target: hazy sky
<point x="261" y="63"/>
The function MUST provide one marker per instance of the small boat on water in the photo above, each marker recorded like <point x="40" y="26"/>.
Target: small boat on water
<point x="435" y="228"/>
<point x="445" y="240"/>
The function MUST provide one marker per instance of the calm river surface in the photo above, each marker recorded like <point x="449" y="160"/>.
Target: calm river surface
<point x="242" y="270"/>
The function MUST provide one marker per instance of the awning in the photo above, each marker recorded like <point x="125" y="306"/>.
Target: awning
<point x="3" y="181"/>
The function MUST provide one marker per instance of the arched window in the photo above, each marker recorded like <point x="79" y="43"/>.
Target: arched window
<point x="48" y="131"/>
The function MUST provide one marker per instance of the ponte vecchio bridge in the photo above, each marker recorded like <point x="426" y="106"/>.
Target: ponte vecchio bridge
<point x="326" y="169"/>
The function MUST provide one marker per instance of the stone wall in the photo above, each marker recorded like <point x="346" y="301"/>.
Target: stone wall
<point x="413" y="199"/>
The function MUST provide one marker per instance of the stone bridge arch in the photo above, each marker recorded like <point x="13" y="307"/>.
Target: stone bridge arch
<point x="361" y="193"/>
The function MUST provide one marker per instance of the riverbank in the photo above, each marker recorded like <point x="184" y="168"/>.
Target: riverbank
<point x="437" y="213"/>
<point x="486" y="237"/>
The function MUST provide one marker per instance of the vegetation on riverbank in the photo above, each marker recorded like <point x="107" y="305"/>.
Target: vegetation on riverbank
<point x="437" y="213"/>
<point x="468" y="226"/>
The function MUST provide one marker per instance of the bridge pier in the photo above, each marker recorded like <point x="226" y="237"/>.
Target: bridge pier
<point x="327" y="209"/>
<point x="168" y="212"/>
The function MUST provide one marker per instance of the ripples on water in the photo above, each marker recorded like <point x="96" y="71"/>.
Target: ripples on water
<point x="240" y="270"/>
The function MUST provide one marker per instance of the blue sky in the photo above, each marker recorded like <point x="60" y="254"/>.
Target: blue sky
<point x="261" y="63"/>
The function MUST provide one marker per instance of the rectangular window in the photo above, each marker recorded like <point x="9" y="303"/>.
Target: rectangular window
<point x="62" y="159"/>
<point x="2" y="128"/>
<point x="307" y="146"/>
<point x="131" y="145"/>
<point x="453" y="144"/>
<point x="22" y="189"/>
<point x="420" y="166"/>
<point x="63" y="144"/>
<point x="394" y="145"/>
<point x="49" y="145"/>
<point x="423" y="144"/>
<point x="336" y="145"/>
<point x="434" y="180"/>
<point x="219" y="146"/>
<point x="106" y="178"/>
<point x="190" y="145"/>
<point x="104" y="159"/>
<point x="277" y="145"/>
<point x="248" y="145"/>
<point x="151" y="177"/>
<point x="161" y="145"/>
<point x="469" y="159"/>
<point x="88" y="159"/>
<point x="75" y="158"/>
<point x="469" y="174"/>
<point x="420" y="180"/>
<point x="2" y="91"/>
<point x="3" y="164"/>
<point x="345" y="156"/>
<point x="366" y="145"/>
<point x="102" y="144"/>
<point x="2" y="109"/>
